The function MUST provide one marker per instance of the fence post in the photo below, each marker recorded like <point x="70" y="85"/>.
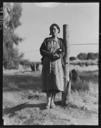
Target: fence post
<point x="35" y="66"/>
<point x="67" y="86"/>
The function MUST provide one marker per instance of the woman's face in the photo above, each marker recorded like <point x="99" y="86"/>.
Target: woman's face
<point x="54" y="31"/>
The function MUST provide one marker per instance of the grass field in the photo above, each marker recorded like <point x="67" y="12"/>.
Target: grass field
<point x="24" y="103"/>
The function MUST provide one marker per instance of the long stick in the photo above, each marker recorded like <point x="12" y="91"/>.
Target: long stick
<point x="67" y="86"/>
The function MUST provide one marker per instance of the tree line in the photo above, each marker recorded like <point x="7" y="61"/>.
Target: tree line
<point x="85" y="56"/>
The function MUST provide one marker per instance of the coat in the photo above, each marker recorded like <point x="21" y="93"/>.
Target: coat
<point x="52" y="59"/>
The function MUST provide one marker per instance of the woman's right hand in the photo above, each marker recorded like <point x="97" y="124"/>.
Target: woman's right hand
<point x="55" y="56"/>
<point x="51" y="55"/>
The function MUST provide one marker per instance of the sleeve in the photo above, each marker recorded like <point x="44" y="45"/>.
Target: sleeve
<point x="43" y="49"/>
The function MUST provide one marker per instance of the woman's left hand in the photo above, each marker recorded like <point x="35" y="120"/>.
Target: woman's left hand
<point x="56" y="56"/>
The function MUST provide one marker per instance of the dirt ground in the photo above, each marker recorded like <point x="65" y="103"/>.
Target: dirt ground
<point x="25" y="106"/>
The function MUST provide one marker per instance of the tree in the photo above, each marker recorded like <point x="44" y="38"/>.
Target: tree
<point x="11" y="21"/>
<point x="82" y="56"/>
<point x="92" y="56"/>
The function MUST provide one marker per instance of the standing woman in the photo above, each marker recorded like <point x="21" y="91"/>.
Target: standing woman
<point x="52" y="51"/>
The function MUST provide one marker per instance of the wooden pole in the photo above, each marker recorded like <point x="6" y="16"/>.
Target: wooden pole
<point x="67" y="86"/>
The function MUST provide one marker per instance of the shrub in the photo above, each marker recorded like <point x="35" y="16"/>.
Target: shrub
<point x="82" y="56"/>
<point x="77" y="83"/>
<point x="92" y="56"/>
<point x="32" y="65"/>
<point x="72" y="58"/>
<point x="25" y="62"/>
<point x="80" y="85"/>
<point x="11" y="65"/>
<point x="86" y="64"/>
<point x="74" y="75"/>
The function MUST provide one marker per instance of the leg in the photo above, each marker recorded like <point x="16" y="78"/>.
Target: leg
<point x="53" y="100"/>
<point x="48" y="100"/>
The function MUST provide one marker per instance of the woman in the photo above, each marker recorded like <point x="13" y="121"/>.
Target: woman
<point x="52" y="51"/>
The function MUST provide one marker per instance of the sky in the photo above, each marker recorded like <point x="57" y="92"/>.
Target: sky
<point x="82" y="19"/>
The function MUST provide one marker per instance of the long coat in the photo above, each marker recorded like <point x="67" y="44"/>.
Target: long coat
<point x="52" y="71"/>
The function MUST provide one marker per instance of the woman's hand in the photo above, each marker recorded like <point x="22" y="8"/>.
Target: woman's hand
<point x="58" y="51"/>
<point x="55" y="56"/>
<point x="51" y="55"/>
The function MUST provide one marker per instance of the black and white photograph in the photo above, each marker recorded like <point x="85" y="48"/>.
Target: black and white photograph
<point x="50" y="63"/>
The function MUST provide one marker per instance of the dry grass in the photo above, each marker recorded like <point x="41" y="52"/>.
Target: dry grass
<point x="80" y="85"/>
<point x="22" y="82"/>
<point x="86" y="100"/>
<point x="23" y="100"/>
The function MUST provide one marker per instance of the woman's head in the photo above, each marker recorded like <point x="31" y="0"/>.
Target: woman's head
<point x="54" y="29"/>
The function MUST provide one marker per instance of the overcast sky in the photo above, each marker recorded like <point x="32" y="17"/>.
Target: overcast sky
<point x="82" y="18"/>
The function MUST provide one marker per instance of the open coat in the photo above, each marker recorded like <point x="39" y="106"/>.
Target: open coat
<point x="52" y="71"/>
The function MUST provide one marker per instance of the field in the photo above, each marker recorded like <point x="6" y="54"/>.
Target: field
<point x="24" y="103"/>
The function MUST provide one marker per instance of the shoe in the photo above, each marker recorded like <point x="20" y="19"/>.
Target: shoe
<point x="52" y="105"/>
<point x="47" y="106"/>
<point x="48" y="103"/>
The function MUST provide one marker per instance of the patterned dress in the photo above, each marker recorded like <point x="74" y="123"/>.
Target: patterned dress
<point x="52" y="71"/>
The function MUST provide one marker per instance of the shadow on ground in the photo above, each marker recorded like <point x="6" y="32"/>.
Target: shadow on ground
<point x="12" y="110"/>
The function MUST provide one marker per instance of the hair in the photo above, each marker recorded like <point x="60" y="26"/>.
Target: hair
<point x="52" y="27"/>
